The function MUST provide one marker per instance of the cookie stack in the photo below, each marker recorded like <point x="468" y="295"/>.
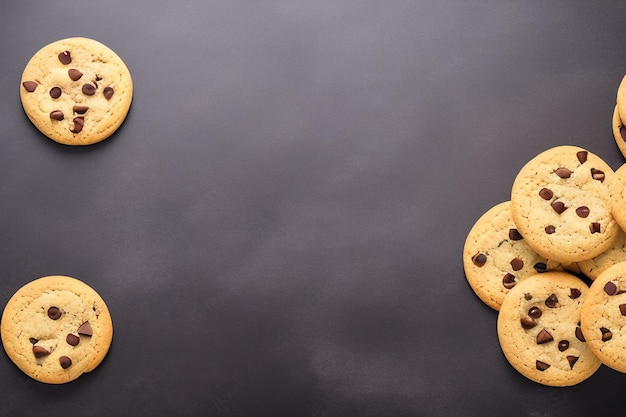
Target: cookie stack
<point x="552" y="262"/>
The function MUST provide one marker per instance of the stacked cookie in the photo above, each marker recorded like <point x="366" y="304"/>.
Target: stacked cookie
<point x="531" y="259"/>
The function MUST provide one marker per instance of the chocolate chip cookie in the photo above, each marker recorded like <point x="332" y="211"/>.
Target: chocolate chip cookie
<point x="56" y="328"/>
<point x="619" y="131"/>
<point x="76" y="91"/>
<point x="593" y="267"/>
<point x="561" y="204"/>
<point x="539" y="330"/>
<point x="496" y="256"/>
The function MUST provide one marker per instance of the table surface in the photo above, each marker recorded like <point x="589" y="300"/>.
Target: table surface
<point x="277" y="227"/>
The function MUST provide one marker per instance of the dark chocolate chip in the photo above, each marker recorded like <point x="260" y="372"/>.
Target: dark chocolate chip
<point x="527" y="322"/>
<point x="33" y="340"/>
<point x="85" y="329"/>
<point x="514" y="234"/>
<point x="40" y="352"/>
<point x="72" y="339"/>
<point x="622" y="309"/>
<point x="108" y="92"/>
<point x="65" y="57"/>
<point x="582" y="156"/>
<point x="517" y="264"/>
<point x="479" y="259"/>
<point x="610" y="288"/>
<point x="509" y="281"/>
<point x="56" y="115"/>
<point x="598" y="175"/>
<point x="80" y="109"/>
<point x="563" y="172"/>
<point x="550" y="229"/>
<point x="528" y="296"/>
<point x="541" y="267"/>
<point x="558" y="206"/>
<point x="552" y="301"/>
<point x="572" y="360"/>
<point x="79" y="122"/>
<point x="582" y="211"/>
<point x="541" y="366"/>
<point x="30" y="86"/>
<point x="54" y="313"/>
<point x="535" y="312"/>
<point x="574" y="293"/>
<point x="579" y="334"/>
<point x="563" y="345"/>
<point x="546" y="193"/>
<point x="55" y="92"/>
<point x="544" y="337"/>
<point x="606" y="334"/>
<point x="65" y="362"/>
<point x="74" y="74"/>
<point x="594" y="227"/>
<point x="89" y="90"/>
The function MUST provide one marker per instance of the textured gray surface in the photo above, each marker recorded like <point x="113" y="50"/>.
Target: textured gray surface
<point x="277" y="227"/>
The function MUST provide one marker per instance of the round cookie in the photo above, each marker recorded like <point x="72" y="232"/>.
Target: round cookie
<point x="76" y="91"/>
<point x="561" y="204"/>
<point x="621" y="99"/>
<point x="619" y="131"/>
<point x="603" y="317"/>
<point x="539" y="333"/>
<point x="56" y="328"/>
<point x="593" y="267"/>
<point x="496" y="257"/>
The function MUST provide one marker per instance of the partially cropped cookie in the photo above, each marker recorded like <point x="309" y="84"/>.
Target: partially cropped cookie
<point x="603" y="317"/>
<point x="539" y="333"/>
<point x="593" y="267"/>
<point x="76" y="91"/>
<point x="56" y="328"/>
<point x="561" y="204"/>
<point x="496" y="257"/>
<point x="617" y="188"/>
<point x="619" y="131"/>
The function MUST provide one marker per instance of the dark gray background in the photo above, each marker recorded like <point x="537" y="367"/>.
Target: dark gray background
<point x="277" y="227"/>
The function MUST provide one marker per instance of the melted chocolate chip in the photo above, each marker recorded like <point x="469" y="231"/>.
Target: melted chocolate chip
<point x="540" y="267"/>
<point x="546" y="193"/>
<point x="54" y="313"/>
<point x="40" y="352"/>
<point x="72" y="339"/>
<point x="579" y="334"/>
<point x="30" y="86"/>
<point x="572" y="360"/>
<point x="558" y="206"/>
<point x="544" y="337"/>
<point x="563" y="172"/>
<point x="598" y="175"/>
<point x="108" y="92"/>
<point x="550" y="229"/>
<point x="56" y="115"/>
<point x="527" y="322"/>
<point x="574" y="293"/>
<point x="606" y="334"/>
<point x="79" y="122"/>
<point x="80" y="109"/>
<point x="88" y="89"/>
<point x="55" y="92"/>
<point x="65" y="57"/>
<point x="535" y="312"/>
<point x="582" y="156"/>
<point x="610" y="288"/>
<point x="541" y="366"/>
<point x="622" y="309"/>
<point x="74" y="74"/>
<point x="509" y="281"/>
<point x="65" y="362"/>
<point x="582" y="211"/>
<point x="514" y="234"/>
<point x="517" y="264"/>
<point x="594" y="227"/>
<point x="479" y="259"/>
<point x="552" y="301"/>
<point x="85" y="329"/>
<point x="563" y="345"/>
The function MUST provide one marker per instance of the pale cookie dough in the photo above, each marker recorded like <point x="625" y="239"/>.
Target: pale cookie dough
<point x="76" y="91"/>
<point x="496" y="257"/>
<point x="56" y="328"/>
<point x="561" y="204"/>
<point x="539" y="333"/>
<point x="603" y="317"/>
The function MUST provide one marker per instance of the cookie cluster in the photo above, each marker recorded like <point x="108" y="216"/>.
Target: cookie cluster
<point x="552" y="262"/>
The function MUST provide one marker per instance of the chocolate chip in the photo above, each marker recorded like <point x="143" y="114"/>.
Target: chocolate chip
<point x="80" y="109"/>
<point x="540" y="267"/>
<point x="74" y="74"/>
<point x="594" y="227"/>
<point x="535" y="312"/>
<point x="514" y="234"/>
<point x="606" y="334"/>
<point x="579" y="334"/>
<point x="108" y="92"/>
<point x="598" y="175"/>
<point x="558" y="206"/>
<point x="622" y="132"/>
<point x="544" y="337"/>
<point x="582" y="211"/>
<point x="55" y="92"/>
<point x="65" y="362"/>
<point x="622" y="309"/>
<point x="610" y="288"/>
<point x="572" y="360"/>
<point x="30" y="86"/>
<point x="78" y="124"/>
<point x="546" y="194"/>
<point x="33" y="340"/>
<point x="85" y="329"/>
<point x="574" y="293"/>
<point x="541" y="366"/>
<point x="552" y="301"/>
<point x="54" y="313"/>
<point x="563" y="172"/>
<point x="40" y="352"/>
<point x="528" y="296"/>
<point x="479" y="259"/>
<point x="65" y="57"/>
<point x="527" y="322"/>
<point x="550" y="229"/>
<point x="89" y="90"/>
<point x="517" y="264"/>
<point x="72" y="339"/>
<point x="56" y="115"/>
<point x="509" y="281"/>
<point x="582" y="156"/>
<point x="563" y="345"/>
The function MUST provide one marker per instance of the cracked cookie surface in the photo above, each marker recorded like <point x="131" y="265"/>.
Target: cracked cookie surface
<point x="56" y="328"/>
<point x="76" y="91"/>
